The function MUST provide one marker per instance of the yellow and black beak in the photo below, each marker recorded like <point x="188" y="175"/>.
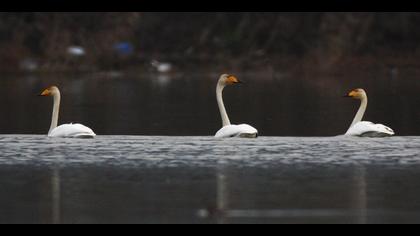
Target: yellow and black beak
<point x="352" y="94"/>
<point x="233" y="80"/>
<point x="46" y="92"/>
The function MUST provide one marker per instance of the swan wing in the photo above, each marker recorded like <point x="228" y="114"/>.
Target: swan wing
<point x="237" y="131"/>
<point x="369" y="129"/>
<point x="72" y="131"/>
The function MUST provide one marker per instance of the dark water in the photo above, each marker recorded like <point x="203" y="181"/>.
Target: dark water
<point x="193" y="178"/>
<point x="149" y="179"/>
<point x="276" y="102"/>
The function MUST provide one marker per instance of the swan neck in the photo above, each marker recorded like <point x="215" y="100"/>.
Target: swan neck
<point x="223" y="113"/>
<point x="56" y="110"/>
<point x="361" y="111"/>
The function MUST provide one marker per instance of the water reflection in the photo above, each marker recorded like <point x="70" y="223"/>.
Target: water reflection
<point x="140" y="179"/>
<point x="263" y="204"/>
<point x="355" y="213"/>
<point x="163" y="80"/>
<point x="56" y="196"/>
<point x="360" y="194"/>
<point x="222" y="198"/>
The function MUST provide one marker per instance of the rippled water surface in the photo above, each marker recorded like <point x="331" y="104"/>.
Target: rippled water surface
<point x="142" y="179"/>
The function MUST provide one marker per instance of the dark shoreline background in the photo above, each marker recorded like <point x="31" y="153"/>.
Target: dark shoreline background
<point x="249" y="40"/>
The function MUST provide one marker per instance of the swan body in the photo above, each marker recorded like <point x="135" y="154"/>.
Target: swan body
<point x="228" y="130"/>
<point x="365" y="128"/>
<point x="76" y="51"/>
<point x="369" y="129"/>
<point x="72" y="131"/>
<point x="162" y="67"/>
<point x="66" y="130"/>
<point x="237" y="131"/>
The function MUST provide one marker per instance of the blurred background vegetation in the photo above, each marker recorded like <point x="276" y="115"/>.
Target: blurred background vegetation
<point x="42" y="41"/>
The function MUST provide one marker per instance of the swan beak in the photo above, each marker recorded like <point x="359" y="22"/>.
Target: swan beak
<point x="352" y="94"/>
<point x="46" y="92"/>
<point x="233" y="80"/>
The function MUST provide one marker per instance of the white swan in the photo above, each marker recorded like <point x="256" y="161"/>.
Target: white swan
<point x="228" y="130"/>
<point x="162" y="67"/>
<point x="364" y="128"/>
<point x="67" y="130"/>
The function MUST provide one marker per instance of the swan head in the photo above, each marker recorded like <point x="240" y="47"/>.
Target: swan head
<point x="227" y="79"/>
<point x="357" y="94"/>
<point x="154" y="63"/>
<point x="51" y="91"/>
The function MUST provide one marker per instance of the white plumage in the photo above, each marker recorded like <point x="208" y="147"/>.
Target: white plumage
<point x="66" y="130"/>
<point x="76" y="51"/>
<point x="237" y="131"/>
<point x="161" y="67"/>
<point x="369" y="129"/>
<point x="72" y="131"/>
<point x="229" y="130"/>
<point x="364" y="128"/>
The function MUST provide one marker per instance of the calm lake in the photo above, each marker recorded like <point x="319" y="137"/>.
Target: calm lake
<point x="155" y="160"/>
<point x="277" y="103"/>
<point x="148" y="179"/>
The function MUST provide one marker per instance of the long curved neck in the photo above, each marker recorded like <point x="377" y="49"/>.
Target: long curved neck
<point x="223" y="113"/>
<point x="361" y="112"/>
<point x="56" y="110"/>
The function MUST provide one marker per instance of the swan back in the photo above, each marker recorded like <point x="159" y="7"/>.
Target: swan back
<point x="237" y="131"/>
<point x="162" y="67"/>
<point x="72" y="131"/>
<point x="369" y="129"/>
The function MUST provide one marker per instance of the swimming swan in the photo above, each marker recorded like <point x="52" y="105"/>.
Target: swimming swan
<point x="66" y="130"/>
<point x="229" y="130"/>
<point x="364" y="128"/>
